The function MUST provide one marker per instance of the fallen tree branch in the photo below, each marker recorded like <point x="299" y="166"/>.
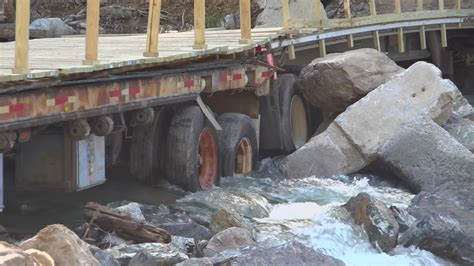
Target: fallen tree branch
<point x="112" y="220"/>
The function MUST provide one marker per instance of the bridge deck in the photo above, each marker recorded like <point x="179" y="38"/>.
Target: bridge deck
<point x="63" y="56"/>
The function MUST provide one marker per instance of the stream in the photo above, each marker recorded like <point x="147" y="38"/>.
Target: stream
<point x="307" y="211"/>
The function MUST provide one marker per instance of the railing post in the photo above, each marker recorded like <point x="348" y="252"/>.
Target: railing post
<point x="317" y="18"/>
<point x="401" y="39"/>
<point x="286" y="14"/>
<point x="245" y="22"/>
<point x="419" y="5"/>
<point x="200" y="24"/>
<point x="419" y="8"/>
<point x="376" y="35"/>
<point x="457" y="4"/>
<point x="347" y="11"/>
<point x="444" y="37"/>
<point x="22" y="36"/>
<point x="153" y="29"/>
<point x="92" y="32"/>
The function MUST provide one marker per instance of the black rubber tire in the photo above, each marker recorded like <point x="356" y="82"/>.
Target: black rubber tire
<point x="183" y="158"/>
<point x="148" y="146"/>
<point x="286" y="90"/>
<point x="235" y="127"/>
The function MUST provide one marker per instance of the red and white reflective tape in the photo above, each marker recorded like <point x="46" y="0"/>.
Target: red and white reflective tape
<point x="271" y="62"/>
<point x="12" y="108"/>
<point x="61" y="100"/>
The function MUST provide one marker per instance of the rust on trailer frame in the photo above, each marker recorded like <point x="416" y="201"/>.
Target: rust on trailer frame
<point x="17" y="110"/>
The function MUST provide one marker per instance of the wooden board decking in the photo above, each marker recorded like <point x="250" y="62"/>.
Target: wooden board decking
<point x="62" y="56"/>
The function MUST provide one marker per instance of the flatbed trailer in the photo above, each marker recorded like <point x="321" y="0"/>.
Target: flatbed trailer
<point x="150" y="86"/>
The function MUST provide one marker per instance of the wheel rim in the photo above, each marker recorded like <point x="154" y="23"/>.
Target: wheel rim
<point x="299" y="124"/>
<point x="243" y="160"/>
<point x="207" y="153"/>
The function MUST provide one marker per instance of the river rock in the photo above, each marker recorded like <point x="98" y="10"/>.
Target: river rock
<point x="189" y="230"/>
<point x="444" y="222"/>
<point x="354" y="139"/>
<point x="462" y="129"/>
<point x="64" y="246"/>
<point x="142" y="258"/>
<point x="105" y="258"/>
<point x="223" y="219"/>
<point x="376" y="219"/>
<point x="338" y="80"/>
<point x="133" y="210"/>
<point x="292" y="253"/>
<point x="196" y="262"/>
<point x="55" y="27"/>
<point x="11" y="255"/>
<point x="271" y="16"/>
<point x="183" y="244"/>
<point x="230" y="238"/>
<point x="425" y="156"/>
<point x="43" y="258"/>
<point x="162" y="253"/>
<point x="247" y="204"/>
<point x="404" y="219"/>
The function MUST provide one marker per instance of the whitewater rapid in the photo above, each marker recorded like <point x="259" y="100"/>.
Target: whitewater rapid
<point x="307" y="210"/>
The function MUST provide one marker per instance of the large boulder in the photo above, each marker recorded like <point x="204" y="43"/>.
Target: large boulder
<point x="11" y="255"/>
<point x="425" y="156"/>
<point x="444" y="222"/>
<point x="354" y="139"/>
<point x="336" y="81"/>
<point x="55" y="27"/>
<point x="463" y="130"/>
<point x="292" y="253"/>
<point x="230" y="238"/>
<point x="64" y="246"/>
<point x="163" y="254"/>
<point x="377" y="220"/>
<point x="271" y="16"/>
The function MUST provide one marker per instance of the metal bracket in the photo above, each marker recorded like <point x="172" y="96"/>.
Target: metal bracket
<point x="208" y="114"/>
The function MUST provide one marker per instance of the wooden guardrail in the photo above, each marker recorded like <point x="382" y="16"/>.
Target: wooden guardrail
<point x="321" y="25"/>
<point x="92" y="30"/>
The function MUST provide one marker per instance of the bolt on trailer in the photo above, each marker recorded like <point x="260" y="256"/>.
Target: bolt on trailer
<point x="196" y="105"/>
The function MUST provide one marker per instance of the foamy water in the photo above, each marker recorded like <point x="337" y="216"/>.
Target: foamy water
<point x="307" y="210"/>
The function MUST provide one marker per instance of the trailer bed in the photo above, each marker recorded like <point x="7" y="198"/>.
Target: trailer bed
<point x="54" y="57"/>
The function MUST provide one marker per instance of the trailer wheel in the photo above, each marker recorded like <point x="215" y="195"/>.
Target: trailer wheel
<point x="193" y="151"/>
<point x="147" y="151"/>
<point x="293" y="113"/>
<point x="238" y="142"/>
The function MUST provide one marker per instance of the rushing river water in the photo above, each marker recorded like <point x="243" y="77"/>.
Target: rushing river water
<point x="310" y="215"/>
<point x="307" y="210"/>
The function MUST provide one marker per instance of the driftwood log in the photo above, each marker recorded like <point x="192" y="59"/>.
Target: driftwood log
<point x="7" y="32"/>
<point x="112" y="220"/>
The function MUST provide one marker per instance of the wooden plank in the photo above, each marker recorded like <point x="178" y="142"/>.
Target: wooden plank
<point x="317" y="12"/>
<point x="286" y="14"/>
<point x="419" y="5"/>
<point x="322" y="48"/>
<point x="422" y="38"/>
<point x="200" y="24"/>
<point x="400" y="36"/>
<point x="376" y="35"/>
<point x="245" y="22"/>
<point x="22" y="36"/>
<point x="444" y="37"/>
<point x="92" y="32"/>
<point x="347" y="11"/>
<point x="153" y="28"/>
<point x="457" y="4"/>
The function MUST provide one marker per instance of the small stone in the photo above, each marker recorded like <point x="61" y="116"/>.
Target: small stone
<point x="223" y="219"/>
<point x="142" y="258"/>
<point x="376" y="219"/>
<point x="133" y="210"/>
<point x="230" y="238"/>
<point x="105" y="258"/>
<point x="196" y="262"/>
